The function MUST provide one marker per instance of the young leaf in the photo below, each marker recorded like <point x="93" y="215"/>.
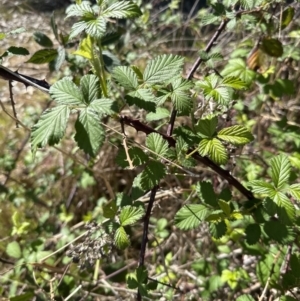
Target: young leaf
<point x="50" y="128"/>
<point x="190" y="216"/>
<point x="156" y="143"/>
<point x="206" y="128"/>
<point x="281" y="169"/>
<point x="129" y="215"/>
<point x="85" y="48"/>
<point x="43" y="56"/>
<point x="152" y="174"/>
<point x="214" y="149"/>
<point x="233" y="82"/>
<point x="42" y="39"/>
<point x="126" y="77"/>
<point x="163" y="68"/>
<point x="90" y="134"/>
<point x="236" y="135"/>
<point x="121" y="10"/>
<point x="66" y="92"/>
<point x="121" y="239"/>
<point x="90" y="88"/>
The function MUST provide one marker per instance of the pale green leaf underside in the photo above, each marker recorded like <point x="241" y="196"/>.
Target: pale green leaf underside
<point x="126" y="77"/>
<point x="129" y="215"/>
<point x="80" y="10"/>
<point x="121" y="239"/>
<point x="66" y="92"/>
<point x="236" y="135"/>
<point x="214" y="149"/>
<point x="122" y="9"/>
<point x="163" y="68"/>
<point x="190" y="216"/>
<point x="50" y="128"/>
<point x="102" y="106"/>
<point x="157" y="144"/>
<point x="90" y="134"/>
<point x="159" y="114"/>
<point x="90" y="88"/>
<point x="281" y="168"/>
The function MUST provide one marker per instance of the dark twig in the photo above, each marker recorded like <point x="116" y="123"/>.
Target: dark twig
<point x="139" y="126"/>
<point x="145" y="232"/>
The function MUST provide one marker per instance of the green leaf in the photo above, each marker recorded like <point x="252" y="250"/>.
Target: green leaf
<point x="163" y="68"/>
<point x="42" y="39"/>
<point x="121" y="239"/>
<point x="54" y="26"/>
<point x="245" y="298"/>
<point x="159" y="114"/>
<point x="103" y="106"/>
<point x="180" y="95"/>
<point x="253" y="233"/>
<point x="137" y="156"/>
<point x="281" y="169"/>
<point x="90" y="135"/>
<point x="225" y="207"/>
<point x="237" y="68"/>
<point x="205" y="192"/>
<point x="157" y="144"/>
<point x="15" y="50"/>
<point x="286" y="210"/>
<point x="218" y="229"/>
<point x="13" y="249"/>
<point x="190" y="216"/>
<point x="142" y="274"/>
<point x="85" y="48"/>
<point x="142" y="98"/>
<point x="80" y="10"/>
<point x="212" y="89"/>
<point x="50" y="128"/>
<point x="129" y="215"/>
<point x="236" y="135"/>
<point x="206" y="128"/>
<point x="262" y="187"/>
<point x="110" y="210"/>
<point x="152" y="174"/>
<point x="66" y="92"/>
<point x="28" y="296"/>
<point x="61" y="55"/>
<point x="90" y="88"/>
<point x="126" y="77"/>
<point x="112" y="36"/>
<point x="209" y="19"/>
<point x="43" y="56"/>
<point x="287" y="16"/>
<point x="122" y="10"/>
<point x="272" y="47"/>
<point x="276" y="231"/>
<point x="110" y="61"/>
<point x="233" y="82"/>
<point x="95" y="27"/>
<point x="294" y="191"/>
<point x="214" y="149"/>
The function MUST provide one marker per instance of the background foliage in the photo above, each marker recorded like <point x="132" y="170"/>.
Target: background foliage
<point x="163" y="162"/>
